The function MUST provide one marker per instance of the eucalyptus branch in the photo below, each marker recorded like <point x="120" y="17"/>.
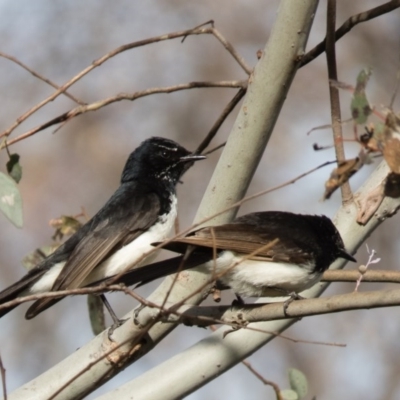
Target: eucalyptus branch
<point x="261" y="312"/>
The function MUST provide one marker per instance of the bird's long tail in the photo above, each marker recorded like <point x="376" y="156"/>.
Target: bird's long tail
<point x="14" y="291"/>
<point x="151" y="272"/>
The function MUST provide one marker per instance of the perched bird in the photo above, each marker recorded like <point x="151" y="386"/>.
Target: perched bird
<point x="301" y="248"/>
<point x="141" y="211"/>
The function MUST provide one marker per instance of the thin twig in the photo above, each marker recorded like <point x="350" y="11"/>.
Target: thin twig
<point x="334" y="95"/>
<point x="240" y="60"/>
<point x="102" y="357"/>
<point x="61" y="293"/>
<point x="42" y="78"/>
<point x="348" y="25"/>
<point x="3" y="378"/>
<point x="274" y="386"/>
<point x="396" y="87"/>
<point x="124" y="96"/>
<point x="247" y="364"/>
<point x="121" y="49"/>
<point x="214" y="149"/>
<point x="227" y="110"/>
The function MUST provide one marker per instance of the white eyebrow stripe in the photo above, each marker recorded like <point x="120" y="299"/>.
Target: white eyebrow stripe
<point x="167" y="148"/>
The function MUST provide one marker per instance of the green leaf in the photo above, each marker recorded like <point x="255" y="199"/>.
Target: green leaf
<point x="298" y="382"/>
<point x="10" y="200"/>
<point x="360" y="108"/>
<point x="14" y="168"/>
<point x="96" y="314"/>
<point x="289" y="394"/>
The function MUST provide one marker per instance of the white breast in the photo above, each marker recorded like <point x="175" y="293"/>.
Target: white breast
<point x="253" y="278"/>
<point x="125" y="258"/>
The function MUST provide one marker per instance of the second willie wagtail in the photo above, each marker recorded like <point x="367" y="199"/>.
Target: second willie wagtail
<point x="141" y="211"/>
<point x="302" y="248"/>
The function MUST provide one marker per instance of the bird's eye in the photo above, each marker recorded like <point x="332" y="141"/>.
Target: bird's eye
<point x="165" y="154"/>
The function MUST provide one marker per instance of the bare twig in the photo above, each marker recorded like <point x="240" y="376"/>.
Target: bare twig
<point x="274" y="386"/>
<point x="240" y="60"/>
<point x="214" y="149"/>
<point x="228" y="109"/>
<point x="118" y="346"/>
<point x="396" y="87"/>
<point x="61" y="293"/>
<point x="125" y="96"/>
<point x="42" y="78"/>
<point x="121" y="49"/>
<point x="247" y="364"/>
<point x="3" y="378"/>
<point x="348" y="25"/>
<point x="334" y="95"/>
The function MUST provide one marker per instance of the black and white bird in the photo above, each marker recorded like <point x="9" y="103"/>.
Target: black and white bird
<point x="301" y="248"/>
<point x="141" y="211"/>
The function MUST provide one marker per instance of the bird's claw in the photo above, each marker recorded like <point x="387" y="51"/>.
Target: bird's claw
<point x="293" y="296"/>
<point x="113" y="327"/>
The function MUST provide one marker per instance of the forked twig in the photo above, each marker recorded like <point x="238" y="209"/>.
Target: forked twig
<point x="350" y="24"/>
<point x="227" y="110"/>
<point x="125" y="96"/>
<point x="41" y="77"/>
<point x="196" y="31"/>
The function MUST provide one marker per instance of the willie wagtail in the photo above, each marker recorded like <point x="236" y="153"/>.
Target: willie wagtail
<point x="141" y="211"/>
<point x="306" y="246"/>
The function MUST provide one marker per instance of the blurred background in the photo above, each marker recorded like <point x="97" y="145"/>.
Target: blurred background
<point x="80" y="165"/>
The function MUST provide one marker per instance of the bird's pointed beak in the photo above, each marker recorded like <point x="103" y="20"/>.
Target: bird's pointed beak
<point x="192" y="157"/>
<point x="344" y="254"/>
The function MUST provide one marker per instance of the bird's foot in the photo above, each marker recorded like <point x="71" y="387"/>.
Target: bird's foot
<point x="293" y="296"/>
<point x="136" y="313"/>
<point x="117" y="323"/>
<point x="238" y="302"/>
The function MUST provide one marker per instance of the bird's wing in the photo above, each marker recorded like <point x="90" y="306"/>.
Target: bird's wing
<point x="99" y="243"/>
<point x="245" y="239"/>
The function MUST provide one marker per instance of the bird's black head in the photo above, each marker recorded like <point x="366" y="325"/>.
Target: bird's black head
<point x="158" y="158"/>
<point x="330" y="242"/>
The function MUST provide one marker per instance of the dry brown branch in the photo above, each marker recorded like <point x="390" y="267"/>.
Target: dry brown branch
<point x="274" y="386"/>
<point x="61" y="293"/>
<point x="124" y="96"/>
<point x="227" y="110"/>
<point x="42" y="78"/>
<point x="121" y="49"/>
<point x="247" y="364"/>
<point x="334" y="95"/>
<point x="350" y="24"/>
